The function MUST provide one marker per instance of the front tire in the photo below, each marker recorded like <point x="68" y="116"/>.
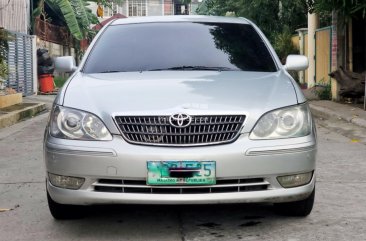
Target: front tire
<point x="64" y="211"/>
<point x="298" y="209"/>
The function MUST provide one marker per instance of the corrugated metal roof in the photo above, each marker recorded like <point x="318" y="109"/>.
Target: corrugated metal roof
<point x="15" y="15"/>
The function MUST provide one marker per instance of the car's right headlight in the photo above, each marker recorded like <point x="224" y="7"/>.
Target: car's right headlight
<point x="289" y="122"/>
<point x="68" y="123"/>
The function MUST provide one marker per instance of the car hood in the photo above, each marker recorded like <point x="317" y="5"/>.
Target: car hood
<point x="169" y="92"/>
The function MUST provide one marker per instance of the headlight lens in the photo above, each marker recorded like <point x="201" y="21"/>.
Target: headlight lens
<point x="288" y="122"/>
<point x="70" y="123"/>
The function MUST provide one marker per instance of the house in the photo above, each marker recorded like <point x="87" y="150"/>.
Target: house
<point x="134" y="8"/>
<point x="340" y="45"/>
<point x="15" y="17"/>
<point x="348" y="46"/>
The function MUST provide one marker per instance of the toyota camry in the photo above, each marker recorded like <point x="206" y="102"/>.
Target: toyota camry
<point x="180" y="110"/>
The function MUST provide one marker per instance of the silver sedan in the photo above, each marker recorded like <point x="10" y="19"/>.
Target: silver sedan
<point x="180" y="110"/>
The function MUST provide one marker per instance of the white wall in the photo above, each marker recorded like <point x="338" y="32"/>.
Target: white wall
<point x="155" y="8"/>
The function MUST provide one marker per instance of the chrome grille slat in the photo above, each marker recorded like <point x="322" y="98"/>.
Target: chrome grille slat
<point x="207" y="186"/>
<point x="140" y="186"/>
<point x="203" y="130"/>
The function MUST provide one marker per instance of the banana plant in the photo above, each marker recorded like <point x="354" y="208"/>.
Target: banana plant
<point x="65" y="9"/>
<point x="74" y="13"/>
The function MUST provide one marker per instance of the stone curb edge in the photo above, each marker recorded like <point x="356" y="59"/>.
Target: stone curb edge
<point x="322" y="112"/>
<point x="16" y="116"/>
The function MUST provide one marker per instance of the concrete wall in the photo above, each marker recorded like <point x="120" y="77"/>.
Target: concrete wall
<point x="15" y="15"/>
<point x="168" y="7"/>
<point x="55" y="50"/>
<point x="155" y="8"/>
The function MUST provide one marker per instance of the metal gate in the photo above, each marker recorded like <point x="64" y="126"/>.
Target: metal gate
<point x="323" y="52"/>
<point x="20" y="63"/>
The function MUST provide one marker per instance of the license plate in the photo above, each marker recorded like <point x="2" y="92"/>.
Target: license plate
<point x="181" y="172"/>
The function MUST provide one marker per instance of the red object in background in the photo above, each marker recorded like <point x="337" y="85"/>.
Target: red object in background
<point x="46" y="83"/>
<point x="101" y="24"/>
<point x="84" y="44"/>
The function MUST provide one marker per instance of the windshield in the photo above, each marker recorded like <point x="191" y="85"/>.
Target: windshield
<point x="179" y="46"/>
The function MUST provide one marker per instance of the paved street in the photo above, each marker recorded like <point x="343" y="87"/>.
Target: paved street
<point x="339" y="212"/>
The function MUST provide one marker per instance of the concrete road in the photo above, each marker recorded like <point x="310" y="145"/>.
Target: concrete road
<point x="339" y="212"/>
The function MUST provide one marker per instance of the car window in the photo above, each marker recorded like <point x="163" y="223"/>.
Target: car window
<point x="179" y="46"/>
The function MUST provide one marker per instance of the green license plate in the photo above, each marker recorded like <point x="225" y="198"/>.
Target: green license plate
<point x="181" y="172"/>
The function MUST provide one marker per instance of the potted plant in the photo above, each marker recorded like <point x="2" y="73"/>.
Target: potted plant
<point x="3" y="74"/>
<point x="4" y="37"/>
<point x="8" y="96"/>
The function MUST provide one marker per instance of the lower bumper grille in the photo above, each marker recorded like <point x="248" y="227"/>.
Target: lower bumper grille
<point x="139" y="186"/>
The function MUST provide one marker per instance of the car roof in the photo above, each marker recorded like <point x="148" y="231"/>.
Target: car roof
<point x="180" y="18"/>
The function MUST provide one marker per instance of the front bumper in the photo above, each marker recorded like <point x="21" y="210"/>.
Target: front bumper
<point x="87" y="197"/>
<point x="117" y="159"/>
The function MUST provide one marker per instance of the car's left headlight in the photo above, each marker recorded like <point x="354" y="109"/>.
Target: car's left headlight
<point x="294" y="121"/>
<point x="68" y="123"/>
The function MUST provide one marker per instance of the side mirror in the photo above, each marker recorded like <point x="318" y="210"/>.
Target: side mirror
<point x="296" y="62"/>
<point x="65" y="64"/>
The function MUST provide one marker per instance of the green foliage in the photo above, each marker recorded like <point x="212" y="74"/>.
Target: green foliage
<point x="3" y="43"/>
<point x="283" y="45"/>
<point x="323" y="90"/>
<point x="215" y="7"/>
<point x="346" y="8"/>
<point x="79" y="8"/>
<point x="69" y="15"/>
<point x="73" y="13"/>
<point x="3" y="69"/>
<point x="59" y="81"/>
<point x="271" y="16"/>
<point x="5" y="36"/>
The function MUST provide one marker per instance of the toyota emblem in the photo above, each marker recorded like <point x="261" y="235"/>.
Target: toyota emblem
<point x="180" y="120"/>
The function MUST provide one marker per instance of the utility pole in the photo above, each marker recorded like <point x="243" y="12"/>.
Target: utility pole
<point x="313" y="24"/>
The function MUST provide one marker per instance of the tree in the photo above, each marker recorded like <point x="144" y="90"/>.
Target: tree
<point x="272" y="16"/>
<point x="215" y="7"/>
<point x="278" y="19"/>
<point x="346" y="9"/>
<point x="283" y="45"/>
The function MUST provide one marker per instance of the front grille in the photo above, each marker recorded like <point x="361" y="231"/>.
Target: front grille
<point x="221" y="186"/>
<point x="203" y="130"/>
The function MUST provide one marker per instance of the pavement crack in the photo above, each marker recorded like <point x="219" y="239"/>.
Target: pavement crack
<point x="342" y="182"/>
<point x="181" y="227"/>
<point x="17" y="183"/>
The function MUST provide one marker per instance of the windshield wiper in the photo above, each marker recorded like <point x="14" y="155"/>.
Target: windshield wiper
<point x="194" y="68"/>
<point x="110" y="71"/>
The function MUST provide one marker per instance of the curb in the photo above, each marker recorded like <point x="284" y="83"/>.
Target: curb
<point x="14" y="117"/>
<point x="326" y="113"/>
